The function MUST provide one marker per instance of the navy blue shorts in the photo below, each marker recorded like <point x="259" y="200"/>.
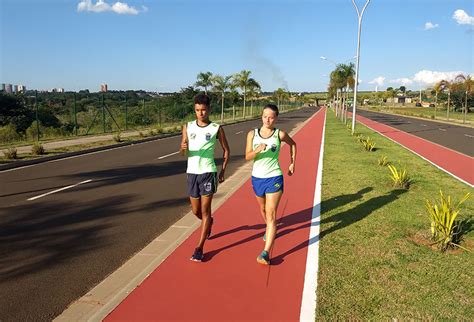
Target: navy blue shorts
<point x="262" y="186"/>
<point x="202" y="184"/>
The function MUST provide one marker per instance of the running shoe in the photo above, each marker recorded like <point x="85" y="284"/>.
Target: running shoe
<point x="198" y="255"/>
<point x="210" y="228"/>
<point x="263" y="258"/>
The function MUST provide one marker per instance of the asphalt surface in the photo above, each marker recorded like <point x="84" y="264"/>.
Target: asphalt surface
<point x="55" y="248"/>
<point x="457" y="138"/>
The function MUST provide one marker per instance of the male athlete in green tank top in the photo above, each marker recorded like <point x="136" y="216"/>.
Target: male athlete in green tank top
<point x="198" y="141"/>
<point x="263" y="146"/>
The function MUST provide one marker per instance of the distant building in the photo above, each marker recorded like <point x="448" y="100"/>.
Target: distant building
<point x="21" y="88"/>
<point x="8" y="88"/>
<point x="57" y="90"/>
<point x="3" y="87"/>
<point x="15" y="89"/>
<point x="103" y="87"/>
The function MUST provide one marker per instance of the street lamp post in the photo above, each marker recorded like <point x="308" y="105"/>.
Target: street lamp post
<point x="354" y="106"/>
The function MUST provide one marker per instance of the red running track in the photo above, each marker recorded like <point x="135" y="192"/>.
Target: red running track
<point x="457" y="164"/>
<point x="230" y="285"/>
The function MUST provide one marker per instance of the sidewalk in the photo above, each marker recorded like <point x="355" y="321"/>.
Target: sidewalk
<point x="456" y="164"/>
<point x="66" y="143"/>
<point x="229" y="284"/>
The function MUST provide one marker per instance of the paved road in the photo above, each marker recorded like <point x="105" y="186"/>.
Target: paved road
<point x="458" y="138"/>
<point x="55" y="248"/>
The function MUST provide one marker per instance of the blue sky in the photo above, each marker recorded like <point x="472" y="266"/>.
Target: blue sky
<point x="161" y="45"/>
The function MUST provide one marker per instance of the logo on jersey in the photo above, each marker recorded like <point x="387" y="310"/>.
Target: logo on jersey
<point x="192" y="136"/>
<point x="208" y="136"/>
<point x="276" y="185"/>
<point x="274" y="147"/>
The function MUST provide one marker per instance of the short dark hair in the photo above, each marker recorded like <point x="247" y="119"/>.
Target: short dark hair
<point x="273" y="107"/>
<point x="202" y="99"/>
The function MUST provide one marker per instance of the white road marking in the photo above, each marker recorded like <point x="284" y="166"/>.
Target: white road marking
<point x="58" y="190"/>
<point x="168" y="155"/>
<point x="239" y="132"/>
<point x="471" y="136"/>
<point x="444" y="130"/>
<point x="423" y="125"/>
<point x="308" y="301"/>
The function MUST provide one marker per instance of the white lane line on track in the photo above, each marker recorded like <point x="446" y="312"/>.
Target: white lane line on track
<point x="470" y="136"/>
<point x="168" y="155"/>
<point x="423" y="125"/>
<point x="308" y="301"/>
<point x="239" y="132"/>
<point x="58" y="190"/>
<point x="444" y="130"/>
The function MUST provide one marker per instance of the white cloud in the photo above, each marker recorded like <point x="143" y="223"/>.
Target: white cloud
<point x="379" y="81"/>
<point x="429" y="25"/>
<point x="402" y="81"/>
<point x="428" y="77"/>
<point x="462" y="18"/>
<point x="102" y="6"/>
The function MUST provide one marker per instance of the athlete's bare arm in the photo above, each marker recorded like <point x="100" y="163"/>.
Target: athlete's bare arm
<point x="285" y="137"/>
<point x="250" y="153"/>
<point x="226" y="149"/>
<point x="184" y="140"/>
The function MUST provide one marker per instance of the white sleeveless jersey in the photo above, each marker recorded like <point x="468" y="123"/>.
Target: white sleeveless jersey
<point x="265" y="164"/>
<point x="201" y="144"/>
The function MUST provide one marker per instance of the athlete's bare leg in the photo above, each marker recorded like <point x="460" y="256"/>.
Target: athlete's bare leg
<point x="271" y="206"/>
<point x="196" y="206"/>
<point x="206" y="218"/>
<point x="261" y="205"/>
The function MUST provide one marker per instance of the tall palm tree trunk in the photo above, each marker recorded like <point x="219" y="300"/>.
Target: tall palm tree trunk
<point x="465" y="110"/>
<point x="447" y="110"/>
<point x="222" y="109"/>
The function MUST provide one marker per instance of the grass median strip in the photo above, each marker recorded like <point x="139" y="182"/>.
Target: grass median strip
<point x="376" y="261"/>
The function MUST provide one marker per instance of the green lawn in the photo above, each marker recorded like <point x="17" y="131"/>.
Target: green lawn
<point x="375" y="261"/>
<point x="424" y="112"/>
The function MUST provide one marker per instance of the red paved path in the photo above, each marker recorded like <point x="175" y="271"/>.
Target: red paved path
<point x="230" y="285"/>
<point x="458" y="164"/>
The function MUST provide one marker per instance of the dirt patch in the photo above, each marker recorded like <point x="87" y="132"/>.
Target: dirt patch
<point x="423" y="239"/>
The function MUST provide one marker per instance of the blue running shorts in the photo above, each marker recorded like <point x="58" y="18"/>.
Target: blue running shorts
<point x="262" y="186"/>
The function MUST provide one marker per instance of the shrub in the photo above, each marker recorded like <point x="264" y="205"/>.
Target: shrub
<point x="8" y="133"/>
<point x="152" y="132"/>
<point x="117" y="137"/>
<point x="10" y="154"/>
<point x="32" y="131"/>
<point x="383" y="161"/>
<point x="368" y="144"/>
<point x="37" y="149"/>
<point x="446" y="231"/>
<point x="141" y="134"/>
<point x="159" y="130"/>
<point x="399" y="177"/>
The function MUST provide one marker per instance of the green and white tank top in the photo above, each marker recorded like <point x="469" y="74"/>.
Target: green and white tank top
<point x="265" y="164"/>
<point x="201" y="144"/>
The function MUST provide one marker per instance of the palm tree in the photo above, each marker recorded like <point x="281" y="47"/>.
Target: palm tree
<point x="468" y="83"/>
<point x="242" y="81"/>
<point x="279" y="94"/>
<point x="347" y="73"/>
<point x="253" y="92"/>
<point x="204" y="80"/>
<point x="446" y="85"/>
<point x="437" y="88"/>
<point x="221" y="84"/>
<point x="337" y="82"/>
